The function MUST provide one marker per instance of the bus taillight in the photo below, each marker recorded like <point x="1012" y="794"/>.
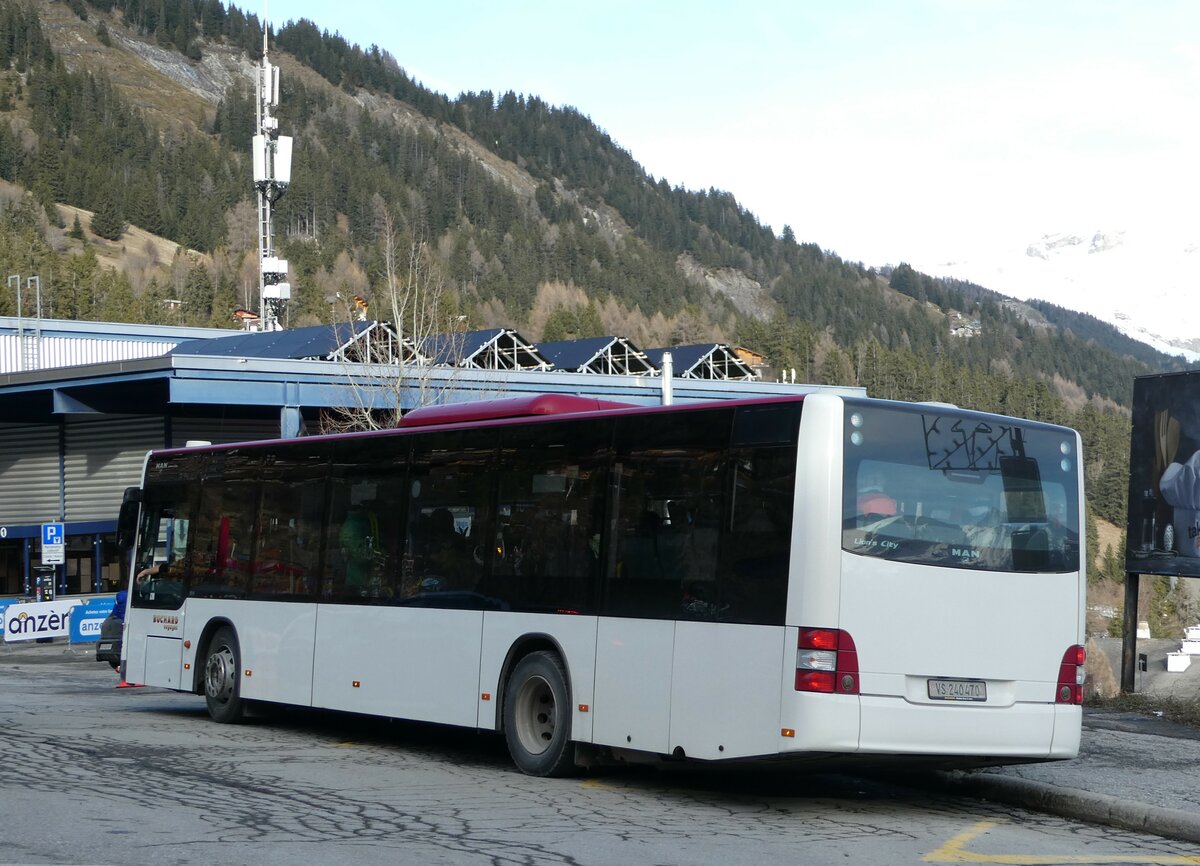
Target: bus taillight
<point x="826" y="661"/>
<point x="1070" y="676"/>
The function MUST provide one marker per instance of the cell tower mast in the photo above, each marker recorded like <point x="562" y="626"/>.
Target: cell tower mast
<point x="272" y="174"/>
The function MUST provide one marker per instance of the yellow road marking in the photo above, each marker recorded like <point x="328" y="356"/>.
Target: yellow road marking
<point x="954" y="851"/>
<point x="597" y="783"/>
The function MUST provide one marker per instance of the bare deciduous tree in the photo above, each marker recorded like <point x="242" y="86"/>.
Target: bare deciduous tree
<point x="390" y="363"/>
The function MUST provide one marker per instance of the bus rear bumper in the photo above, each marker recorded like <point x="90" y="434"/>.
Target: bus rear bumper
<point x="1029" y="731"/>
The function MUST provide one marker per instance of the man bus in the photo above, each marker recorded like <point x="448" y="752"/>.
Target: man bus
<point x="596" y="580"/>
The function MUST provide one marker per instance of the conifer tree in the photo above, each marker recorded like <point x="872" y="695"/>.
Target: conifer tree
<point x="198" y="295"/>
<point x="117" y="303"/>
<point x="108" y="221"/>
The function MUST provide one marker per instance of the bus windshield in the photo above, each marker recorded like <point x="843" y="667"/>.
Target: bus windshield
<point x="937" y="486"/>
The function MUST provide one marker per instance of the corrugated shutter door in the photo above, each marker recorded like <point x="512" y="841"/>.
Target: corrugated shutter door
<point x="103" y="458"/>
<point x="219" y="431"/>
<point x="28" y="473"/>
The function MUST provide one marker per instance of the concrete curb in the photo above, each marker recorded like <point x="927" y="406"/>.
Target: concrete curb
<point x="1076" y="804"/>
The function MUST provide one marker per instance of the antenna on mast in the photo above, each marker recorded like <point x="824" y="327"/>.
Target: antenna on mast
<point x="272" y="154"/>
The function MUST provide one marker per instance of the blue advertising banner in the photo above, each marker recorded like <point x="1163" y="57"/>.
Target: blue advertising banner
<point x="87" y="618"/>
<point x="4" y="603"/>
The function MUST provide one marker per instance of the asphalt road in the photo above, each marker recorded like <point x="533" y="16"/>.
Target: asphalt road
<point x="95" y="775"/>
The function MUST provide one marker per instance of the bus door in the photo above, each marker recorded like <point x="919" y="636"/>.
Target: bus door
<point x="155" y="653"/>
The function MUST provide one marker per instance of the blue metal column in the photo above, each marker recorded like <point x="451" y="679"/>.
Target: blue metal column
<point x="28" y="585"/>
<point x="97" y="570"/>
<point x="290" y="422"/>
<point x="60" y="571"/>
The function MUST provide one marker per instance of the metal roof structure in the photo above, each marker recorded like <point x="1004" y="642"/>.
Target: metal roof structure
<point x="356" y="342"/>
<point x="265" y="387"/>
<point x="492" y="349"/>
<point x="714" y="361"/>
<point x="612" y="355"/>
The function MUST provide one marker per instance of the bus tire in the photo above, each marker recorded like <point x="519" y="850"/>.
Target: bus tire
<point x="537" y="716"/>
<point x="222" y="685"/>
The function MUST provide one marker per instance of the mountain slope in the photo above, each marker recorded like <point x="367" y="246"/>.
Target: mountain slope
<point x="1131" y="278"/>
<point x="512" y="193"/>
<point x="527" y="212"/>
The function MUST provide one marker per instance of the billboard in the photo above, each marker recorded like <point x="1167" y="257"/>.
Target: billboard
<point x="1163" y="525"/>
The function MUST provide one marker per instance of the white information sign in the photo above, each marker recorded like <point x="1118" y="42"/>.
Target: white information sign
<point x="41" y="619"/>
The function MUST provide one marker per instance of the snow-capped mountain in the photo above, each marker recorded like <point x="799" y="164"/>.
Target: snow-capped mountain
<point x="1141" y="281"/>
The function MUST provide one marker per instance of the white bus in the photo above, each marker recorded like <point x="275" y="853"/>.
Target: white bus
<point x="757" y="579"/>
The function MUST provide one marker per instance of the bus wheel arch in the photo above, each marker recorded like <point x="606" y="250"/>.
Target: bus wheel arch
<point x="535" y="707"/>
<point x="221" y="676"/>
<point x="206" y="636"/>
<point x="521" y="647"/>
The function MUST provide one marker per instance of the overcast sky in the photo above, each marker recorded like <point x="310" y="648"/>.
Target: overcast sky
<point x="920" y="130"/>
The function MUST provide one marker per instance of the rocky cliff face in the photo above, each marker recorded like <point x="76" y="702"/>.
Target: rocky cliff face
<point x="749" y="296"/>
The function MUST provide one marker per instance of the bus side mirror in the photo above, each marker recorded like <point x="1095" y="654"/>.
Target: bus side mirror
<point x="127" y="520"/>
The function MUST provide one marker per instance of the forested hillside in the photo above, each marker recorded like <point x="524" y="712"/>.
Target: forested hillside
<point x="533" y="216"/>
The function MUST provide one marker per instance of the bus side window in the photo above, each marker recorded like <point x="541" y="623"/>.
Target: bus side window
<point x="668" y="494"/>
<point x="221" y="540"/>
<point x="755" y="553"/>
<point x="450" y="500"/>
<point x="366" y="544"/>
<point x="161" y="568"/>
<point x="157" y="574"/>
<point x="551" y="506"/>
<point x="289" y="537"/>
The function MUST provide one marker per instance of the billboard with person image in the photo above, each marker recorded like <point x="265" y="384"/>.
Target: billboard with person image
<point x="1163" y="522"/>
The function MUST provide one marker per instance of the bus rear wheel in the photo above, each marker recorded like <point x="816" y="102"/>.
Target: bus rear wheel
<point x="537" y="716"/>
<point x="222" y="686"/>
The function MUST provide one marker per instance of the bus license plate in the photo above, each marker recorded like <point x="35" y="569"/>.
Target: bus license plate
<point x="957" y="690"/>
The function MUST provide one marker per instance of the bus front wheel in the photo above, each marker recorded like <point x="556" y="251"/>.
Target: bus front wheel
<point x="537" y="716"/>
<point x="222" y="686"/>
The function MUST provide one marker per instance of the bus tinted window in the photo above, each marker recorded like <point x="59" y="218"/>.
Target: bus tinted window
<point x="753" y="576"/>
<point x="668" y="502"/>
<point x="550" y="517"/>
<point x="366" y="541"/>
<point x="288" y="550"/>
<point x="940" y="487"/>
<point x="767" y="425"/>
<point x="223" y="537"/>
<point x="168" y="517"/>
<point x="451" y="496"/>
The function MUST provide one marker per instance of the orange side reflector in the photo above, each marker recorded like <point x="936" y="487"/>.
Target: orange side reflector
<point x="186" y="666"/>
<point x="249" y="672"/>
<point x="583" y="708"/>
<point x="788" y="732"/>
<point x="356" y="684"/>
<point x="486" y="696"/>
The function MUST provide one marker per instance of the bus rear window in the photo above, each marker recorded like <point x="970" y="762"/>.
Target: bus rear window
<point x="944" y="487"/>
